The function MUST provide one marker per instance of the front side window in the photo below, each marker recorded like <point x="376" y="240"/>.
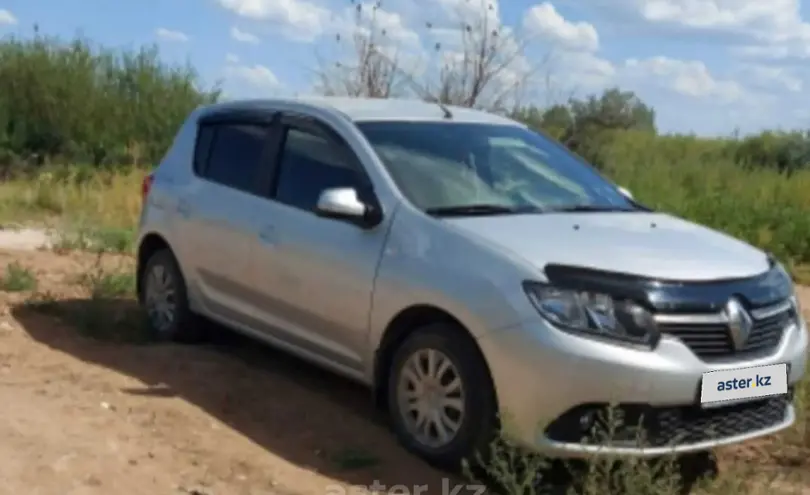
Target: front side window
<point x="442" y="166"/>
<point x="309" y="165"/>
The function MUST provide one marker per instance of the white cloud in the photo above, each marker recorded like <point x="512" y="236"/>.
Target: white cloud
<point x="231" y="58"/>
<point x="775" y="51"/>
<point x="687" y="77"/>
<point x="544" y="20"/>
<point x="758" y="18"/>
<point x="244" y="36"/>
<point x="580" y="72"/>
<point x="299" y="19"/>
<point x="488" y="10"/>
<point x="392" y="23"/>
<point x="170" y="35"/>
<point x="776" y="27"/>
<point x="304" y="21"/>
<point x="771" y="78"/>
<point x="257" y="76"/>
<point x="7" y="17"/>
<point x="388" y="28"/>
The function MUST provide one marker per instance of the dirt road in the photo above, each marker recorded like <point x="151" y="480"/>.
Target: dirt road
<point x="80" y="416"/>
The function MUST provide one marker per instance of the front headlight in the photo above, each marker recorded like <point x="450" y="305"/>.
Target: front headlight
<point x="593" y="314"/>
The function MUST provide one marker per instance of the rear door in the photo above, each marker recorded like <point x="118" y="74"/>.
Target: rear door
<point x="220" y="211"/>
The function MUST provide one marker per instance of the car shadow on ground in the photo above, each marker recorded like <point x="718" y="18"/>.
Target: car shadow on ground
<point x="297" y="411"/>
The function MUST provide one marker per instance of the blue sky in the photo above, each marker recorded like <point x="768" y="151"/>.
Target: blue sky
<point x="707" y="66"/>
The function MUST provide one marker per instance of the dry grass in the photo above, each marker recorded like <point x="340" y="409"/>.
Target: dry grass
<point x="90" y="208"/>
<point x="74" y="198"/>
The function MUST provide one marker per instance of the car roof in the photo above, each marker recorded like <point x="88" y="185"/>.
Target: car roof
<point x="370" y="109"/>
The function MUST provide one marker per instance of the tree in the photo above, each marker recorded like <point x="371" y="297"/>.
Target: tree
<point x="487" y="67"/>
<point x="586" y="126"/>
<point x="614" y="110"/>
<point x="72" y="101"/>
<point x="784" y="151"/>
<point x="555" y="120"/>
<point x="594" y="119"/>
<point x="473" y="61"/>
<point x="371" y="69"/>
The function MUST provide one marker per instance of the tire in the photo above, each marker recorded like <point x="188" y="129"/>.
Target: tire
<point x="477" y="427"/>
<point x="184" y="326"/>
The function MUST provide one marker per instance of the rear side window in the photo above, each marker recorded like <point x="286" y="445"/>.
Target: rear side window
<point x="230" y="154"/>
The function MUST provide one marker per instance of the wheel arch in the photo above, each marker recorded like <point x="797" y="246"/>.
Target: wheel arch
<point x="399" y="328"/>
<point x="149" y="245"/>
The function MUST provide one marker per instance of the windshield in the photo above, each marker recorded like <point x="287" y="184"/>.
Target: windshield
<point x="484" y="167"/>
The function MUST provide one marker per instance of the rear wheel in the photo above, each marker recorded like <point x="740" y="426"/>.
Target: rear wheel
<point x="440" y="397"/>
<point x="164" y="299"/>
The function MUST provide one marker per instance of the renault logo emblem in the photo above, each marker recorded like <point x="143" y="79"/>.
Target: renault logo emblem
<point x="739" y="323"/>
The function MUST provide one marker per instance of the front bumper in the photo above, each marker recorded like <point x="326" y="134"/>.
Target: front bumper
<point x="542" y="374"/>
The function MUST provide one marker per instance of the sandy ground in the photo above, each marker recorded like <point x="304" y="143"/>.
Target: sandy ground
<point x="24" y="239"/>
<point x="81" y="416"/>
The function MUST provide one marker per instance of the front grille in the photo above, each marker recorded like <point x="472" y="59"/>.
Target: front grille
<point x="711" y="342"/>
<point x="647" y="426"/>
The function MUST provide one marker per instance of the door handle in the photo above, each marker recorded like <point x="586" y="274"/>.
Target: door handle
<point x="183" y="208"/>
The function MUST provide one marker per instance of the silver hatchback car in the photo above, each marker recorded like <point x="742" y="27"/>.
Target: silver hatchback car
<point x="477" y="276"/>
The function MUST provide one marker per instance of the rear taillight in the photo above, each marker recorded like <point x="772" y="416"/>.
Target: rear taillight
<point x="146" y="185"/>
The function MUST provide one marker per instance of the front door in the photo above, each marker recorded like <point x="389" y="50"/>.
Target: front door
<point x="316" y="275"/>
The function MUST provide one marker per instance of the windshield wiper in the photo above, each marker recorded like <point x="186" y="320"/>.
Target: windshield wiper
<point x="590" y="208"/>
<point x="479" y="209"/>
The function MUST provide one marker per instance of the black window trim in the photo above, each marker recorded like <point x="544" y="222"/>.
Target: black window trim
<point x="239" y="116"/>
<point x="307" y="123"/>
<point x="263" y="118"/>
<point x="200" y="164"/>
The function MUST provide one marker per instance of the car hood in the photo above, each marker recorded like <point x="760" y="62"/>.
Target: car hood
<point x="646" y="244"/>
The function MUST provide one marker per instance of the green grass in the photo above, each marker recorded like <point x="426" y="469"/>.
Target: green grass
<point x="18" y="278"/>
<point x="694" y="178"/>
<point x="98" y="240"/>
<point x="697" y="179"/>
<point x="351" y="458"/>
<point x="104" y="308"/>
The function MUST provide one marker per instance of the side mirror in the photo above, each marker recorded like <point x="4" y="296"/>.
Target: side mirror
<point x="626" y="193"/>
<point x="342" y="203"/>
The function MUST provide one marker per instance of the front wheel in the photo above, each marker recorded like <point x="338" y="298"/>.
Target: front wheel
<point x="440" y="397"/>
